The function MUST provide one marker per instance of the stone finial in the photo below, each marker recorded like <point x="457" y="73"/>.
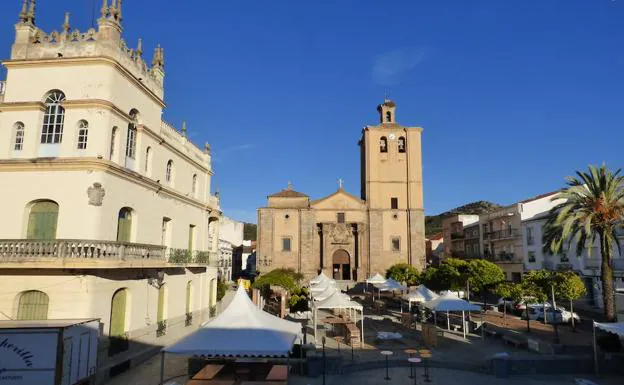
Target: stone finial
<point x="139" y="49"/>
<point x="66" y="26"/>
<point x="31" y="12"/>
<point x="184" y="127"/>
<point x="23" y="15"/>
<point x="207" y="148"/>
<point x="104" y="9"/>
<point x="119" y="11"/>
<point x="158" y="60"/>
<point x="290" y="186"/>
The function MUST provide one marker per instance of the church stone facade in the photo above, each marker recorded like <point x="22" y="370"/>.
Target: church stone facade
<point x="347" y="237"/>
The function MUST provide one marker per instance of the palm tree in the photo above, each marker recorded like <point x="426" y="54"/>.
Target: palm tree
<point x="592" y="208"/>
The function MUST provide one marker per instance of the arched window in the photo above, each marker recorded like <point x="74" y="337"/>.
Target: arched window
<point x="113" y="143"/>
<point x="32" y="305"/>
<point x="388" y="116"/>
<point x="124" y="225"/>
<point x="132" y="135"/>
<point x="383" y="144"/>
<point x="117" y="327"/>
<point x="42" y="220"/>
<point x="401" y="144"/>
<point x="148" y="161"/>
<point x="194" y="185"/>
<point x="19" y="136"/>
<point x="169" y="172"/>
<point x="53" y="118"/>
<point x="83" y="133"/>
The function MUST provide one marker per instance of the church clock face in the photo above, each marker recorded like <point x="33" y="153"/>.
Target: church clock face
<point x="392" y="136"/>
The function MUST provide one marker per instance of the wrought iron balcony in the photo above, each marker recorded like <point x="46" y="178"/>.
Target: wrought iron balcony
<point x="455" y="236"/>
<point x="505" y="258"/>
<point x="501" y="234"/>
<point x="595" y="263"/>
<point x="93" y="252"/>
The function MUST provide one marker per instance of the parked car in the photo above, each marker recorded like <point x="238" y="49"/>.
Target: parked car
<point x="559" y="316"/>
<point x="535" y="312"/>
<point x="520" y="306"/>
<point x="505" y="302"/>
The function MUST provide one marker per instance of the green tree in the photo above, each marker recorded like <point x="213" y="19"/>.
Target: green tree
<point x="569" y="286"/>
<point x="506" y="290"/>
<point x="444" y="277"/>
<point x="484" y="276"/>
<point x="532" y="288"/>
<point x="288" y="279"/>
<point x="592" y="209"/>
<point x="403" y="272"/>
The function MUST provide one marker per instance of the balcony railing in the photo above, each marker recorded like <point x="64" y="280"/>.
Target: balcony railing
<point x="26" y="249"/>
<point x="548" y="265"/>
<point x="457" y="236"/>
<point x="187" y="256"/>
<point x="505" y="258"/>
<point x="501" y="234"/>
<point x="596" y="262"/>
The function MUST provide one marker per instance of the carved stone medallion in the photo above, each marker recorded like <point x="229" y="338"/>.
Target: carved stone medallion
<point x="340" y="233"/>
<point x="96" y="194"/>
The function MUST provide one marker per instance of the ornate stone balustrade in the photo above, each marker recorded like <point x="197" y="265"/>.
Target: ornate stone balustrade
<point x="17" y="250"/>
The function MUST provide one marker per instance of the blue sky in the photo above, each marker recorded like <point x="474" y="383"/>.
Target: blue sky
<point x="513" y="95"/>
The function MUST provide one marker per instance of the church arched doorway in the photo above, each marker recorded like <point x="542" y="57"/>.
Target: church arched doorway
<point x="341" y="263"/>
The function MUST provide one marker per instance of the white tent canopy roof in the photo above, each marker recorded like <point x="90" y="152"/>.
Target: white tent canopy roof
<point x="319" y="279"/>
<point x="321" y="287"/>
<point x="240" y="330"/>
<point x="450" y="302"/>
<point x="325" y="294"/>
<point x="615" y="328"/>
<point x="420" y="294"/>
<point x="338" y="301"/>
<point x="390" y="285"/>
<point x="377" y="278"/>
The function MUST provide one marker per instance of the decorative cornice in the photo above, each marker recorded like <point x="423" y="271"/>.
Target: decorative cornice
<point x="86" y="164"/>
<point x="21" y="106"/>
<point x="86" y="61"/>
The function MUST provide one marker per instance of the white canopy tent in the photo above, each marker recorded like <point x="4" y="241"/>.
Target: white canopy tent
<point x="339" y="300"/>
<point x="322" y="286"/>
<point x="390" y="285"/>
<point x="615" y="328"/>
<point x="241" y="330"/>
<point x="319" y="279"/>
<point x="420" y="294"/>
<point x="450" y="302"/>
<point x="325" y="294"/>
<point x="376" y="279"/>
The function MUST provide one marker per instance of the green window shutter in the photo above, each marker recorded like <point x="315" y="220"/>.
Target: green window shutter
<point x="160" y="316"/>
<point x="118" y="314"/>
<point x="33" y="305"/>
<point x="124" y="225"/>
<point x="42" y="221"/>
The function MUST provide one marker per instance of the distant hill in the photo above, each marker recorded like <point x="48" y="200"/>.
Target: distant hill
<point x="433" y="223"/>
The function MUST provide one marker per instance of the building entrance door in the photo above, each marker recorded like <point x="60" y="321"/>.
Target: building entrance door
<point x="341" y="265"/>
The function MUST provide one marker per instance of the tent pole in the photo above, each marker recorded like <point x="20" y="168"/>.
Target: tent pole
<point x="464" y="323"/>
<point x="448" y="321"/>
<point x="162" y="368"/>
<point x="595" y="350"/>
<point x="314" y="316"/>
<point x="362" y="331"/>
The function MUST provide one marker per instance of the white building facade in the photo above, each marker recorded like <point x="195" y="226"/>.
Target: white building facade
<point x="107" y="209"/>
<point x="230" y="237"/>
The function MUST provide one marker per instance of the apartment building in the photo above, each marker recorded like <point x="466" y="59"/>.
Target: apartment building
<point x="454" y="235"/>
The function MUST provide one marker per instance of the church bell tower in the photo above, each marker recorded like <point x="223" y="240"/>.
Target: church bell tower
<point x="391" y="185"/>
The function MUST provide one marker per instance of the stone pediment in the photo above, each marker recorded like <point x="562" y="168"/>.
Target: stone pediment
<point x="340" y="200"/>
